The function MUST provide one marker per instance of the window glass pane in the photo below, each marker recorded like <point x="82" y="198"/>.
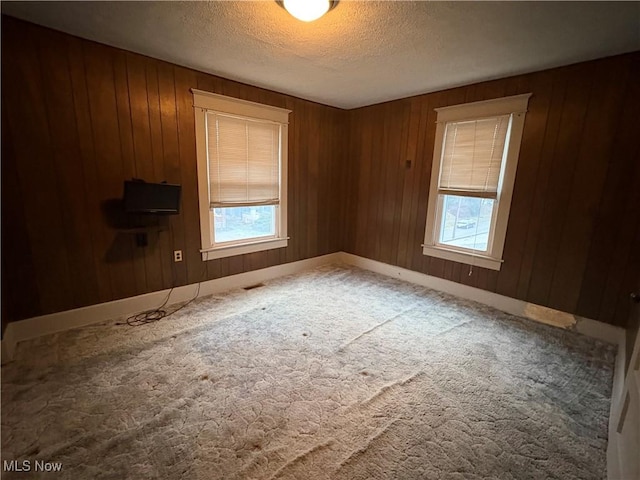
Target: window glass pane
<point x="241" y="223"/>
<point x="466" y="222"/>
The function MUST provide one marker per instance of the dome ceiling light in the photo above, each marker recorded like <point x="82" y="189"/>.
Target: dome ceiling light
<point x="308" y="10"/>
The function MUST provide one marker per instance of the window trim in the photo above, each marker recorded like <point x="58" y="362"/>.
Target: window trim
<point x="204" y="102"/>
<point x="516" y="106"/>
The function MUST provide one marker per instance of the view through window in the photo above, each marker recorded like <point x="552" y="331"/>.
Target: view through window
<point x="473" y="174"/>
<point x="466" y="222"/>
<point x="237" y="223"/>
<point x="242" y="175"/>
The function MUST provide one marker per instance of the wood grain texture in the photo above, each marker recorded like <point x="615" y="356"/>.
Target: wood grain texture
<point x="79" y="118"/>
<point x="571" y="241"/>
<point x="35" y="168"/>
<point x="18" y="271"/>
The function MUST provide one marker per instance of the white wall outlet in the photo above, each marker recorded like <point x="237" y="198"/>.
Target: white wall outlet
<point x="177" y="255"/>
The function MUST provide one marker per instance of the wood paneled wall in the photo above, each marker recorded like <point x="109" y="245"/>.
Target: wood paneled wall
<point x="78" y="118"/>
<point x="573" y="240"/>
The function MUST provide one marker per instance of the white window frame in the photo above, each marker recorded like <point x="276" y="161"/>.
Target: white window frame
<point x="204" y="102"/>
<point x="516" y="107"/>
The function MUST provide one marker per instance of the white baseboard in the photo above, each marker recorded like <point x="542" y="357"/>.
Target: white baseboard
<point x="57" y="322"/>
<point x="8" y="345"/>
<point x="30" y="328"/>
<point x="539" y="313"/>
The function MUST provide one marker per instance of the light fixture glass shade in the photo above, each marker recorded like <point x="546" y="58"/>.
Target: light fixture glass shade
<point x="307" y="10"/>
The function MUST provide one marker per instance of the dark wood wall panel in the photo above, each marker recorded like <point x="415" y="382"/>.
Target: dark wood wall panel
<point x="18" y="271"/>
<point x="572" y="237"/>
<point x="78" y="119"/>
<point x="29" y="132"/>
<point x="564" y="158"/>
<point x="65" y="155"/>
<point x="586" y="187"/>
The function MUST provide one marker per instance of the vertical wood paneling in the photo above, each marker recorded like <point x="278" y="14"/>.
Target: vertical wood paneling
<point x="323" y="201"/>
<point x="507" y="280"/>
<point x="301" y="168"/>
<point x="363" y="179"/>
<point x="18" y="270"/>
<point x="618" y="208"/>
<point x="420" y="175"/>
<point x="565" y="157"/>
<point x="376" y="186"/>
<point x="161" y="248"/>
<point x="79" y="118"/>
<point x="343" y="171"/>
<point x="410" y="142"/>
<point x="93" y="222"/>
<point x="171" y="159"/>
<point x="311" y="176"/>
<point x="65" y="155"/>
<point x="143" y="158"/>
<point x="184" y="80"/>
<point x="537" y="203"/>
<point x="31" y="141"/>
<point x="622" y="269"/>
<point x="113" y="247"/>
<point x="402" y="116"/>
<point x="600" y="125"/>
<point x="125" y="130"/>
<point x="387" y="162"/>
<point x="574" y="211"/>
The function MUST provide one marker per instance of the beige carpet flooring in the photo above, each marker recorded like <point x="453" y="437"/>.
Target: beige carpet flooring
<point x="336" y="373"/>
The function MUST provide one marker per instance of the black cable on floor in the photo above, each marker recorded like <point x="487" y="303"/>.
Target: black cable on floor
<point x="156" y="314"/>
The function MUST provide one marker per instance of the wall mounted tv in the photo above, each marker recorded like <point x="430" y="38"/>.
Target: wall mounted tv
<point x="158" y="198"/>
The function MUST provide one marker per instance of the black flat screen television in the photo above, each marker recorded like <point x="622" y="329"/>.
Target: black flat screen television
<point x="158" y="198"/>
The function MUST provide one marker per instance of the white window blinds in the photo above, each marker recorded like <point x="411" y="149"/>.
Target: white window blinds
<point x="472" y="155"/>
<point x="244" y="161"/>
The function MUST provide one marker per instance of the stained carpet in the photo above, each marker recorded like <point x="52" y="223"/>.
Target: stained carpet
<point x="336" y="373"/>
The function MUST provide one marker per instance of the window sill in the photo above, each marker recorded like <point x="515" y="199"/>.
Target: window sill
<point x="231" y="250"/>
<point x="468" y="258"/>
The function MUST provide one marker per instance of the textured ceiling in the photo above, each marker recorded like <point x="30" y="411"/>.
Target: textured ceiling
<point x="360" y="53"/>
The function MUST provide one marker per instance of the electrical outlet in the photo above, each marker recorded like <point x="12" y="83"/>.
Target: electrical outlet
<point x="177" y="255"/>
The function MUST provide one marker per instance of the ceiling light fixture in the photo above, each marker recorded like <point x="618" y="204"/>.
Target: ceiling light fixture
<point x="308" y="10"/>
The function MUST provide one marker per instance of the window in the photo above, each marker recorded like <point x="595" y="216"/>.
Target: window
<point x="474" y="167"/>
<point x="242" y="175"/>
